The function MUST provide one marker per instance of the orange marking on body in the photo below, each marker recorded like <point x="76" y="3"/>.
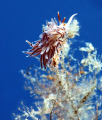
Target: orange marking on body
<point x="64" y="24"/>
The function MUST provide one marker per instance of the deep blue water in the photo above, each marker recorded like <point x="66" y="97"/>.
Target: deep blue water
<point x="22" y="20"/>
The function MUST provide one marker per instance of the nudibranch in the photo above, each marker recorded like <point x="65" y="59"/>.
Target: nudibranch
<point x="53" y="37"/>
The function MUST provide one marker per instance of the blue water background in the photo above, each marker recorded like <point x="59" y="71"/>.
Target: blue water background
<point x="22" y="20"/>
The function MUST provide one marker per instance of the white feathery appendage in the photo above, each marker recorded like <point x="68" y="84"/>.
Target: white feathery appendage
<point x="72" y="27"/>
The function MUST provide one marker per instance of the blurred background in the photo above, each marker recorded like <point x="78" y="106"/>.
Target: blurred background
<point x="22" y="20"/>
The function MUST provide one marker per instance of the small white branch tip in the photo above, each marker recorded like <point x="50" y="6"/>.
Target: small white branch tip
<point x="27" y="41"/>
<point x="23" y="51"/>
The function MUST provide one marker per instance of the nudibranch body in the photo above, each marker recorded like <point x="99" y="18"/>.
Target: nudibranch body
<point x="53" y="37"/>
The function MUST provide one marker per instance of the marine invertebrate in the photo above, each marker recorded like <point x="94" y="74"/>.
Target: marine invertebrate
<point x="69" y="91"/>
<point x="53" y="37"/>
